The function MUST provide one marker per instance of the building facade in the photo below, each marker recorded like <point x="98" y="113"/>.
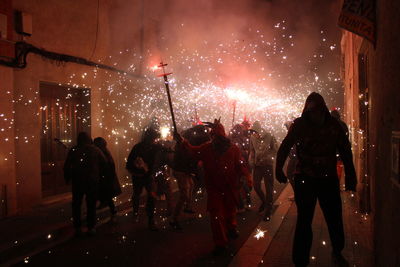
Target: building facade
<point x="371" y="81"/>
<point x="58" y="60"/>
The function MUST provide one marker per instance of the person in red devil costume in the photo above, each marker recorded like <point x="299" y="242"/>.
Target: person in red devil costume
<point x="223" y="167"/>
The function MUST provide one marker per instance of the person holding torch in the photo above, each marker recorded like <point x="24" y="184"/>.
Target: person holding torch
<point x="223" y="167"/>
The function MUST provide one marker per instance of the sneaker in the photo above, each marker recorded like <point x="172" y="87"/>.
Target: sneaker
<point x="190" y="211"/>
<point x="233" y="234"/>
<point x="176" y="226"/>
<point x="91" y="232"/>
<point x="219" y="250"/>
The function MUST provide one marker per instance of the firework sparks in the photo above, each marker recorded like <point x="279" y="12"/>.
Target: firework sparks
<point x="259" y="234"/>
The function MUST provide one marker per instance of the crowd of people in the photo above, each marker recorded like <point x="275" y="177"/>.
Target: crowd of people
<point x="227" y="166"/>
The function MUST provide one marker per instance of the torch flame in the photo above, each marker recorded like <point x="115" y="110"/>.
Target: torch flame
<point x="154" y="68"/>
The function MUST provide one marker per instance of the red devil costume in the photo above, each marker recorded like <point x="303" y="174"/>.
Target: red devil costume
<point x="223" y="167"/>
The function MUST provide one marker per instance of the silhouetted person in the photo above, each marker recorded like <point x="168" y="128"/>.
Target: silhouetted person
<point x="335" y="113"/>
<point x="317" y="137"/>
<point x="143" y="165"/>
<point x="185" y="167"/>
<point x="84" y="168"/>
<point x="291" y="162"/>
<point x="109" y="186"/>
<point x="240" y="137"/>
<point x="339" y="166"/>
<point x="223" y="166"/>
<point x="263" y="148"/>
<point x="196" y="136"/>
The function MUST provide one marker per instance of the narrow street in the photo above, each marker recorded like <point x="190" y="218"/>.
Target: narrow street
<point x="104" y="101"/>
<point x="130" y="243"/>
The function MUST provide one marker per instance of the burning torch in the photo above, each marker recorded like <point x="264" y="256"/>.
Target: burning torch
<point x="165" y="75"/>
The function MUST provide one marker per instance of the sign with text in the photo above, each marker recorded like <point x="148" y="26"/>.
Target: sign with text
<point x="358" y="16"/>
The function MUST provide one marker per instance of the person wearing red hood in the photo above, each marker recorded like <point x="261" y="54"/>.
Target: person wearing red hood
<point x="223" y="167"/>
<point x="317" y="137"/>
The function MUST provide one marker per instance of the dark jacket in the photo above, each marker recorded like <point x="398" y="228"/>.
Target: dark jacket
<point x="183" y="161"/>
<point x="84" y="165"/>
<point x="150" y="153"/>
<point x="317" y="139"/>
<point x="109" y="186"/>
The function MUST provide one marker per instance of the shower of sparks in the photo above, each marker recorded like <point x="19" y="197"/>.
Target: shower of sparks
<point x="256" y="75"/>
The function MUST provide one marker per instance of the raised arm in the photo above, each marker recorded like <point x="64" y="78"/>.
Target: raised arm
<point x="283" y="153"/>
<point x="344" y="148"/>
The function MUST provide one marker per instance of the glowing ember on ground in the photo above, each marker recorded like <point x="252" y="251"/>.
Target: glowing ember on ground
<point x="259" y="234"/>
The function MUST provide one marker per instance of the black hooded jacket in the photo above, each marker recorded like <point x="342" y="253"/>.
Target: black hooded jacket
<point x="317" y="137"/>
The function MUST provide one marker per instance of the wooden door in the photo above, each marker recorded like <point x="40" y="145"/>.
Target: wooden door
<point x="64" y="113"/>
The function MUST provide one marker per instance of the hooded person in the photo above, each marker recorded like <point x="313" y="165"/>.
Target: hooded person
<point x="223" y="167"/>
<point x="317" y="137"/>
<point x="143" y="163"/>
<point x="263" y="148"/>
<point x="84" y="167"/>
<point x="109" y="186"/>
<point x="335" y="113"/>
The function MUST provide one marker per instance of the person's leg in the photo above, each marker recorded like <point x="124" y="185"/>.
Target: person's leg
<point x="217" y="219"/>
<point x="269" y="191"/>
<point x="111" y="205"/>
<point x="189" y="192"/>
<point x="258" y="176"/>
<point x="230" y="212"/>
<point x="150" y="205"/>
<point x="247" y="193"/>
<point x="137" y="191"/>
<point x="169" y="196"/>
<point x="181" y="179"/>
<point x="91" y="198"/>
<point x="306" y="198"/>
<point x="331" y="205"/>
<point x="77" y="197"/>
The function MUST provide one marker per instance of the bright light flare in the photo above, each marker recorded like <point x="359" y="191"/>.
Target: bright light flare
<point x="237" y="95"/>
<point x="154" y="68"/>
<point x="259" y="234"/>
<point x="164" y="132"/>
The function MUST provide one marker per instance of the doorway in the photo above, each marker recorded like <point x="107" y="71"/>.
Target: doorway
<point x="64" y="113"/>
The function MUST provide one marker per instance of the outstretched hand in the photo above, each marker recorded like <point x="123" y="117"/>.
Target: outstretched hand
<point x="281" y="177"/>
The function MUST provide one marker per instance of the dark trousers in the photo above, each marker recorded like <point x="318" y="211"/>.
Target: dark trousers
<point x="109" y="203"/>
<point x="307" y="190"/>
<point x="90" y="194"/>
<point x="264" y="173"/>
<point x="138" y="185"/>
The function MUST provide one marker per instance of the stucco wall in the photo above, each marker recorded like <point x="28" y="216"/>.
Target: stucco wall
<point x="384" y="117"/>
<point x="7" y="151"/>
<point x="67" y="27"/>
<point x="385" y="110"/>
